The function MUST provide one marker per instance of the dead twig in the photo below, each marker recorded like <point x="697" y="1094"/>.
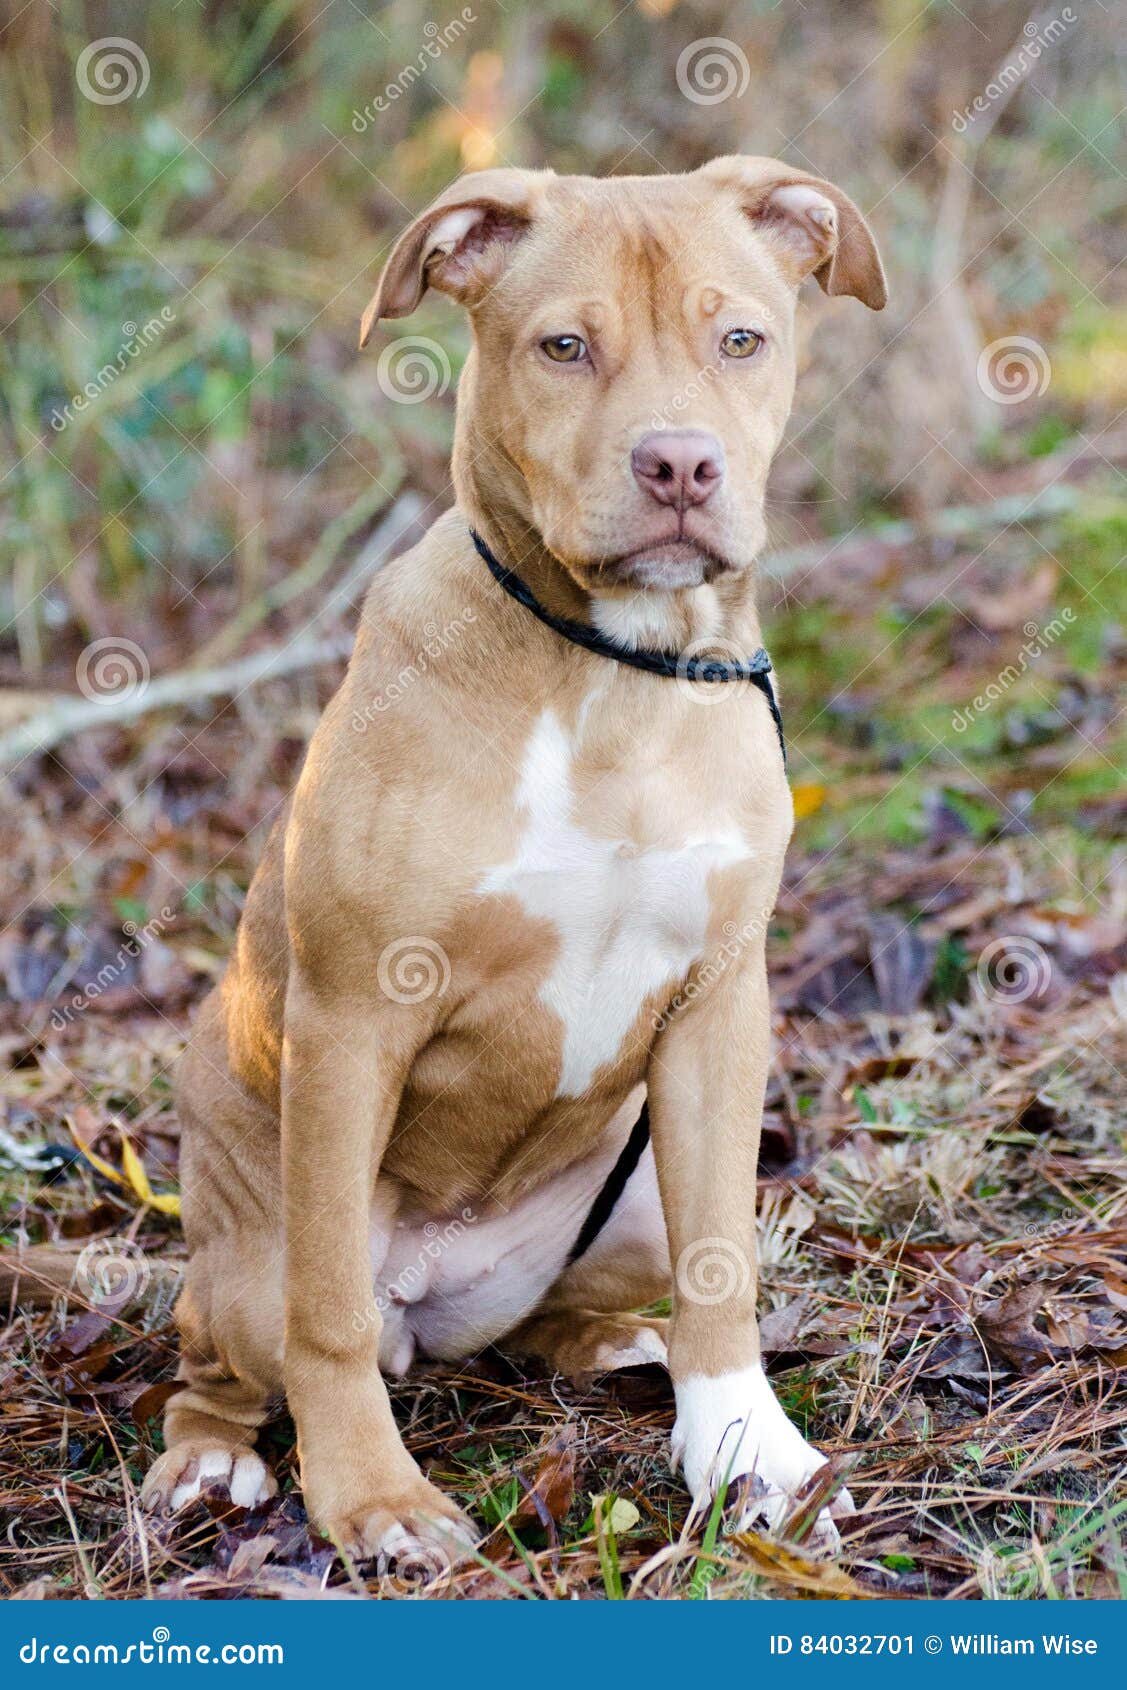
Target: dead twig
<point x="65" y="716"/>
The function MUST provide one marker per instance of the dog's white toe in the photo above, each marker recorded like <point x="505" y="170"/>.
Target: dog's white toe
<point x="245" y="1475"/>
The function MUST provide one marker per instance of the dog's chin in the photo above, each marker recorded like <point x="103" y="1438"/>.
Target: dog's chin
<point x="664" y="568"/>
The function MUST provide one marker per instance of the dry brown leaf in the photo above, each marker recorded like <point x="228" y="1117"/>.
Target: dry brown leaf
<point x="779" y="1328"/>
<point x="151" y="1401"/>
<point x="1007" y="1328"/>
<point x="787" y="1566"/>
<point x="547" y="1500"/>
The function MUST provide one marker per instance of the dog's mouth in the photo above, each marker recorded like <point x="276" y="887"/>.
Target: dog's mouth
<point x="664" y="566"/>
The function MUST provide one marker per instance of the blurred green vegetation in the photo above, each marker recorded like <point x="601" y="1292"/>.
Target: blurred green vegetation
<point x="1049" y="734"/>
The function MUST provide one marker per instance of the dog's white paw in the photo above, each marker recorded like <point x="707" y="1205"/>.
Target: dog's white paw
<point x="180" y="1475"/>
<point x="732" y="1428"/>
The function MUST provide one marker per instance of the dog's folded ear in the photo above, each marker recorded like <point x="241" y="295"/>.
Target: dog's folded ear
<point x="813" y="226"/>
<point x="459" y="245"/>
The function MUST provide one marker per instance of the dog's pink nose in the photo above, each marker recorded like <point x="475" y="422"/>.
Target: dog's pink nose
<point x="678" y="467"/>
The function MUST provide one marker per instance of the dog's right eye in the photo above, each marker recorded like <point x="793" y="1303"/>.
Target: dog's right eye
<point x="564" y="348"/>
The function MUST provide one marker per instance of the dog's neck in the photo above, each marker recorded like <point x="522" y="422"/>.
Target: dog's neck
<point x="718" y="618"/>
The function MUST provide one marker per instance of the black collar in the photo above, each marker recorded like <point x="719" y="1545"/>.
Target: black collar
<point x="755" y="669"/>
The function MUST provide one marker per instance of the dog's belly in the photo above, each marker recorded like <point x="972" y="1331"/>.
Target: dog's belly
<point x="631" y="920"/>
<point x="448" y="1285"/>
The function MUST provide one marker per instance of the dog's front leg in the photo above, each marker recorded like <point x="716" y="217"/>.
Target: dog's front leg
<point x="344" y="1066"/>
<point x="706" y="1083"/>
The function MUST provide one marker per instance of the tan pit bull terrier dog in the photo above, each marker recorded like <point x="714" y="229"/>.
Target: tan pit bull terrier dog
<point x="523" y="886"/>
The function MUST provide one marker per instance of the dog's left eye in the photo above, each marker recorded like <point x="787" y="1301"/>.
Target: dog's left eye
<point x="564" y="348"/>
<point x="741" y="343"/>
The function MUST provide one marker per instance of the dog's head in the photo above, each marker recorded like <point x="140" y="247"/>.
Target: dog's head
<point x="633" y="360"/>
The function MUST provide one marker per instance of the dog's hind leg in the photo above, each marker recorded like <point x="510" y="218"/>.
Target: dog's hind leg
<point x="585" y="1325"/>
<point x="230" y="1308"/>
<point x="583" y="1344"/>
<point x="230" y="1322"/>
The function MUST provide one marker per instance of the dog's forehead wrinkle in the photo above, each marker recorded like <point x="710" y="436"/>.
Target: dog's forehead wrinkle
<point x="645" y="248"/>
<point x="569" y="311"/>
<point x="641" y="243"/>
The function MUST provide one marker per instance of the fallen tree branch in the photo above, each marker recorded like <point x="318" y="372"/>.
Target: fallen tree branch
<point x="65" y="715"/>
<point x="37" y="1277"/>
<point x="404" y="512"/>
<point x="957" y="523"/>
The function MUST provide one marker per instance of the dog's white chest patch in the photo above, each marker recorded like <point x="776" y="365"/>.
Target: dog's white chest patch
<point x="630" y="920"/>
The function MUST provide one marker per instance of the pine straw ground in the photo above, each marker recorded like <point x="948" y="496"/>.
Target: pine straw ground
<point x="943" y="1201"/>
